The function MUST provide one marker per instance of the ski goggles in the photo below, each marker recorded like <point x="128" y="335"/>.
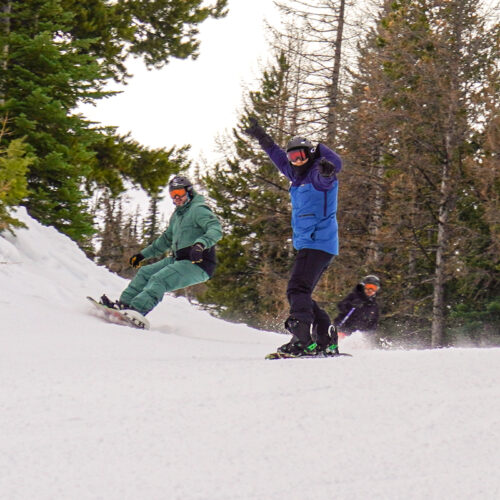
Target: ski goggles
<point x="177" y="193"/>
<point x="372" y="287"/>
<point x="296" y="155"/>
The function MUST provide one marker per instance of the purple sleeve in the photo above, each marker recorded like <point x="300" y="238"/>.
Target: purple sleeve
<point x="325" y="183"/>
<point x="325" y="152"/>
<point x="279" y="158"/>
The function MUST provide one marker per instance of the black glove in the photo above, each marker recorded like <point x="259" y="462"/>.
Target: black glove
<point x="326" y="168"/>
<point x="255" y="130"/>
<point x="135" y="260"/>
<point x="196" y="253"/>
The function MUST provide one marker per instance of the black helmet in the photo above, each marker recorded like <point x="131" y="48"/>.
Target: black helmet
<point x="371" y="279"/>
<point x="298" y="143"/>
<point x="179" y="182"/>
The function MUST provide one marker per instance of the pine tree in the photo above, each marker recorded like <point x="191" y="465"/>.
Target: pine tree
<point x="14" y="164"/>
<point x="109" y="253"/>
<point x="156" y="30"/>
<point x="251" y="198"/>
<point x="475" y="310"/>
<point x="119" y="238"/>
<point x="46" y="74"/>
<point x="55" y="54"/>
<point x="416" y="107"/>
<point x="152" y="228"/>
<point x="132" y="243"/>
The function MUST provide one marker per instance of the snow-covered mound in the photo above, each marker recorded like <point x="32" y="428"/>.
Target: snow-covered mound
<point x="46" y="276"/>
<point x="191" y="411"/>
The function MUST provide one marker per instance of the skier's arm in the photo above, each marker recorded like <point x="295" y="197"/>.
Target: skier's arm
<point x="280" y="160"/>
<point x="160" y="245"/>
<point x="345" y="305"/>
<point x="210" y="224"/>
<point x="275" y="153"/>
<point x="326" y="153"/>
<point x="329" y="165"/>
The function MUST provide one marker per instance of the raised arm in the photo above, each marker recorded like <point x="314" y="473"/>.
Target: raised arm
<point x="275" y="153"/>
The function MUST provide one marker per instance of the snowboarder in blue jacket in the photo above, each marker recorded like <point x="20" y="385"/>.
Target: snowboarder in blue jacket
<point x="312" y="172"/>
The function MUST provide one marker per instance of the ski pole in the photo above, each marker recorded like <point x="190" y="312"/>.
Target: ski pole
<point x="346" y="317"/>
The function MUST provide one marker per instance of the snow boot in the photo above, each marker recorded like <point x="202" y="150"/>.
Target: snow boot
<point x="333" y="348"/>
<point x="330" y="348"/>
<point x="297" y="349"/>
<point x="334" y="335"/>
<point x="299" y="329"/>
<point x="106" y="301"/>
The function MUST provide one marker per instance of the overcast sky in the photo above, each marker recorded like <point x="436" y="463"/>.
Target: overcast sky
<point x="190" y="102"/>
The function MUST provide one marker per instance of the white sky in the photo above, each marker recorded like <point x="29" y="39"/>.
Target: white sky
<point x="190" y="102"/>
<point x="191" y="410"/>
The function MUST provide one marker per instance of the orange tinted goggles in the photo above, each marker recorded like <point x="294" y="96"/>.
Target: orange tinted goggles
<point x="178" y="193"/>
<point x="369" y="286"/>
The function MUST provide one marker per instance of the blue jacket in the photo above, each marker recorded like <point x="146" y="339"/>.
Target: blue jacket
<point x="314" y="200"/>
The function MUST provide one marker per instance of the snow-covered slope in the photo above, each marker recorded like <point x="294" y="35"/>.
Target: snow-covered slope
<point x="191" y="411"/>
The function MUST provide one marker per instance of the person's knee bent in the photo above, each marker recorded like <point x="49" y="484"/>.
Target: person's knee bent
<point x="156" y="286"/>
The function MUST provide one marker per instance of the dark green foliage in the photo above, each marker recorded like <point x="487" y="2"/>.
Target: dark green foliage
<point x="55" y="54"/>
<point x="46" y="75"/>
<point x="13" y="185"/>
<point x="120" y="158"/>
<point x="120" y="237"/>
<point x="479" y="327"/>
<point x="155" y="30"/>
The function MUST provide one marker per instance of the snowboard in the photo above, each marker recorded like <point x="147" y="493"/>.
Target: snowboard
<point x="280" y="355"/>
<point x="117" y="317"/>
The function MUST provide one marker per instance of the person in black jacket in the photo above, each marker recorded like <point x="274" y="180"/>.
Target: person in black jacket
<point x="359" y="310"/>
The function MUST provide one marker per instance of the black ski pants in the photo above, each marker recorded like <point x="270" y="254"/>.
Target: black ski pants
<point x="307" y="269"/>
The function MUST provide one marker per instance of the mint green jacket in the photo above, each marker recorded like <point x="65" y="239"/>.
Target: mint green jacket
<point x="191" y="223"/>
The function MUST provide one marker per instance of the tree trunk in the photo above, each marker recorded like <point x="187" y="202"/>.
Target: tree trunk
<point x="333" y="91"/>
<point x="438" y="304"/>
<point x="375" y="223"/>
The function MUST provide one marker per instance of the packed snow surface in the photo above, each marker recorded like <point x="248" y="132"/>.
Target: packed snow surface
<point x="191" y="410"/>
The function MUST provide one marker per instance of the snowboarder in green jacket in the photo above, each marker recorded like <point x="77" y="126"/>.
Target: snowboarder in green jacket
<point x="191" y="235"/>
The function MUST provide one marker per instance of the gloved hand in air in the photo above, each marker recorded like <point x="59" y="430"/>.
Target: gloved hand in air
<point x="136" y="259"/>
<point x="255" y="130"/>
<point x="326" y="168"/>
<point x="196" y="253"/>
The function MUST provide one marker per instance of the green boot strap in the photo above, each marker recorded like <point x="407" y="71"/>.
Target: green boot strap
<point x="311" y="347"/>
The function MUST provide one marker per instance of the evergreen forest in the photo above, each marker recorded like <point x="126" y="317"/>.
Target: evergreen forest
<point x="406" y="91"/>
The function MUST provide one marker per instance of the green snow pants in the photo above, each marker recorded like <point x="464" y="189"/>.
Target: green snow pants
<point x="151" y="282"/>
